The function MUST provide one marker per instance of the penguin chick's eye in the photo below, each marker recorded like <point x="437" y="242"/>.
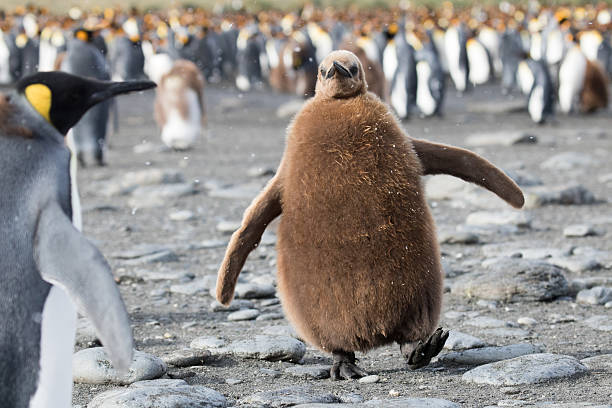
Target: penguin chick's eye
<point x="322" y="71"/>
<point x="354" y="69"/>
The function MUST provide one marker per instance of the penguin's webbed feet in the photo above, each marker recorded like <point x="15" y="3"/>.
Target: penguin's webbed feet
<point x="344" y="367"/>
<point x="420" y="354"/>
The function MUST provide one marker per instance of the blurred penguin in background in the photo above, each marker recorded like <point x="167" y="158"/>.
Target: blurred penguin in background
<point x="85" y="57"/>
<point x="126" y="55"/>
<point x="179" y="105"/>
<point x="399" y="68"/>
<point x="535" y="82"/>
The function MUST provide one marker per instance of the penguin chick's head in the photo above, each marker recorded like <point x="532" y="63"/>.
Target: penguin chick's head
<point x="340" y="76"/>
<point x="62" y="98"/>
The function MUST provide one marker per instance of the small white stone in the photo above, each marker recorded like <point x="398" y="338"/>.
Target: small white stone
<point x="527" y="321"/>
<point x="183" y="215"/>
<point x="369" y="379"/>
<point x="245" y="314"/>
<point x="394" y="393"/>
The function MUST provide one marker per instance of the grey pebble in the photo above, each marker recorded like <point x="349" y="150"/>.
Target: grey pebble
<point x="316" y="372"/>
<point x="186" y="357"/>
<point x="527" y="369"/>
<point x="600" y="322"/>
<point x="461" y="341"/>
<point x="92" y="366"/>
<point x="489" y="354"/>
<point x="182" y="215"/>
<point x="236" y="304"/>
<point x="166" y="394"/>
<point x="369" y="379"/>
<point x="600" y="362"/>
<point x="270" y="316"/>
<point x="598" y="295"/>
<point x="233" y="381"/>
<point x="254" y="291"/>
<point x="244" y="314"/>
<point x="291" y="396"/>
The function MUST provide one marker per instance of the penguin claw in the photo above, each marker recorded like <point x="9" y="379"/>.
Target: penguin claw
<point x="344" y="367"/>
<point x="422" y="354"/>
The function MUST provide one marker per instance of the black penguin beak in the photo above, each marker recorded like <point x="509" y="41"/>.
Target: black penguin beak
<point x="111" y="89"/>
<point x="341" y="70"/>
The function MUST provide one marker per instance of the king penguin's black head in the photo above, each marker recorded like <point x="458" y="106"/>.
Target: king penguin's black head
<point x="63" y="98"/>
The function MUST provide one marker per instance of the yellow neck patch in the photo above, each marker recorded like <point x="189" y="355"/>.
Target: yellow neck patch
<point x="39" y="96"/>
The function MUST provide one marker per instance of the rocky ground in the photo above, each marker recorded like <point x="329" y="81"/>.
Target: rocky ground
<point x="536" y="283"/>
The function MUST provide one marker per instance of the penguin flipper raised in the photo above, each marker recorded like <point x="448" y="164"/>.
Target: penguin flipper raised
<point x="264" y="208"/>
<point x="442" y="159"/>
<point x="67" y="259"/>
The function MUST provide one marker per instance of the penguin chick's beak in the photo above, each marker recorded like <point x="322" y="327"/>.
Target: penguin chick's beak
<point x="116" y="88"/>
<point x="341" y="70"/>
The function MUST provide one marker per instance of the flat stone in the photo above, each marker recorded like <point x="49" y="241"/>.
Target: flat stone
<point x="577" y="263"/>
<point x="270" y="316"/>
<point x="262" y="347"/>
<point x="186" y="357"/>
<point x="148" y="275"/>
<point x="369" y="379"/>
<point x="486" y="355"/>
<point x="461" y="341"/>
<point x="488" y="322"/>
<point x="411" y="403"/>
<point x="527" y="321"/>
<point x="182" y="215"/>
<point x="578" y="284"/>
<point x="227" y="227"/>
<point x="523" y="179"/>
<point x="158" y="196"/>
<point x="600" y="322"/>
<point x="579" y="230"/>
<point x="444" y="187"/>
<point x="527" y="369"/>
<point x="519" y="219"/>
<point x="244" y="314"/>
<point x="213" y="243"/>
<point x="316" y="372"/>
<point x="254" y="291"/>
<point x="568" y="161"/>
<point x="169" y="394"/>
<point x="236" y="304"/>
<point x="92" y="366"/>
<point x="207" y="342"/>
<point x="558" y="195"/>
<point x="513" y="280"/>
<point x="600" y="362"/>
<point x="503" y="138"/>
<point x="598" y="295"/>
<point x="291" y="396"/>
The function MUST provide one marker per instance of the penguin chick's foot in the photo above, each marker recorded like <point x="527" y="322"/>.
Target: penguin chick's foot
<point x="420" y="354"/>
<point x="344" y="367"/>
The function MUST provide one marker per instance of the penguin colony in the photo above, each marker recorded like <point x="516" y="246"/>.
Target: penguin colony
<point x="558" y="57"/>
<point x="404" y="57"/>
<point x="358" y="262"/>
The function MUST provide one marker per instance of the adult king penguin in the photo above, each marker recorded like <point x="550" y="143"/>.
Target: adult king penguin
<point x="47" y="266"/>
<point x="358" y="260"/>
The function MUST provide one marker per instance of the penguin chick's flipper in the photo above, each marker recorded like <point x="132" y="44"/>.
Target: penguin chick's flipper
<point x="265" y="208"/>
<point x="420" y="354"/>
<point x="65" y="258"/>
<point x="442" y="159"/>
<point x="344" y="367"/>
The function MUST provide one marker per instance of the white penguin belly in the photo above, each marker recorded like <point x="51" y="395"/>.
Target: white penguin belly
<point x="478" y="60"/>
<point x="571" y="78"/>
<point x="5" y="74"/>
<point x="399" y="97"/>
<point x="425" y="101"/>
<point x="536" y="104"/>
<point x="390" y="61"/>
<point x="180" y="132"/>
<point x="58" y="329"/>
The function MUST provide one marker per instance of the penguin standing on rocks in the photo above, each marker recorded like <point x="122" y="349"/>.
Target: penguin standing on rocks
<point x="534" y="80"/>
<point x="179" y="105"/>
<point x="358" y="260"/>
<point x="85" y="58"/>
<point x="455" y="45"/>
<point x="47" y="265"/>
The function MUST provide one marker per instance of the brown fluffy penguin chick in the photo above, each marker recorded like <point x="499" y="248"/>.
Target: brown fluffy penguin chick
<point x="358" y="260"/>
<point x="594" y="93"/>
<point x="179" y="105"/>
